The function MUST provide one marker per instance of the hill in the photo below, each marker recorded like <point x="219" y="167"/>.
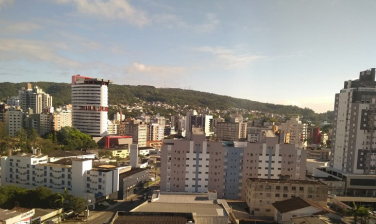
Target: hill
<point x="126" y="94"/>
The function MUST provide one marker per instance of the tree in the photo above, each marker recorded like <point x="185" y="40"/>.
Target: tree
<point x="104" y="153"/>
<point x="21" y="135"/>
<point x="32" y="136"/>
<point x="73" y="139"/>
<point x="4" y="138"/>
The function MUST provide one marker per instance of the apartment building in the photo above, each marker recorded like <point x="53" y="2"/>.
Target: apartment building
<point x="34" y="98"/>
<point x="353" y="152"/>
<point x="231" y="131"/>
<point x="62" y="118"/>
<point x="261" y="193"/>
<point x="138" y="131"/>
<point x="79" y="176"/>
<point x="13" y="119"/>
<point x="198" y="165"/>
<point x="90" y="105"/>
<point x="297" y="130"/>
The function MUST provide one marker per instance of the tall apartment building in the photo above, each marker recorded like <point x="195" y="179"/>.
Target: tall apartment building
<point x="354" y="138"/>
<point x="261" y="193"/>
<point x="13" y="119"/>
<point x="353" y="152"/>
<point x="78" y="176"/>
<point x="297" y="130"/>
<point x="62" y="118"/>
<point x="231" y="131"/>
<point x="34" y="98"/>
<point x="198" y="165"/>
<point x="90" y="105"/>
<point x="138" y="131"/>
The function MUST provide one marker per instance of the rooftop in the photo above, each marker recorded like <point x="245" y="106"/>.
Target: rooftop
<point x="316" y="220"/>
<point x="131" y="172"/>
<point x="8" y="214"/>
<point x="152" y="218"/>
<point x="61" y="153"/>
<point x="184" y="203"/>
<point x="257" y="180"/>
<point x="293" y="204"/>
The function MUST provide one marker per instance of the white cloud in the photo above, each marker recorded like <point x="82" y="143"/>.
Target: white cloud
<point x="18" y="27"/>
<point x="229" y="58"/>
<point x="110" y="9"/>
<point x="154" y="71"/>
<point x="4" y="3"/>
<point x="15" y="49"/>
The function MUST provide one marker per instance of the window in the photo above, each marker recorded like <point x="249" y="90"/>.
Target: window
<point x="88" y="185"/>
<point x="285" y="195"/>
<point x="277" y="195"/>
<point x="99" y="186"/>
<point x="278" y="187"/>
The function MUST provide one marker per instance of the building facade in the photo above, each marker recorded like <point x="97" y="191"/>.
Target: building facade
<point x="90" y="105"/>
<point x="13" y="119"/>
<point x="34" y="98"/>
<point x="198" y="165"/>
<point x="231" y="131"/>
<point x="261" y="193"/>
<point x="78" y="176"/>
<point x="297" y="130"/>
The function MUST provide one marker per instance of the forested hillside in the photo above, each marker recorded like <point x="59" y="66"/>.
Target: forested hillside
<point x="125" y="94"/>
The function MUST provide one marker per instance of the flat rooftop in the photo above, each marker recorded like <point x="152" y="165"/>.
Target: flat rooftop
<point x="257" y="180"/>
<point x="184" y="203"/>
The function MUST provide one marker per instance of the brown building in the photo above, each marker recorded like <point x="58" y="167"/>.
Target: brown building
<point x="261" y="193"/>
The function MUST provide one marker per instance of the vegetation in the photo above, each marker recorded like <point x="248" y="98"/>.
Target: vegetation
<point x="67" y="138"/>
<point x="359" y="211"/>
<point x="126" y="94"/>
<point x="40" y="197"/>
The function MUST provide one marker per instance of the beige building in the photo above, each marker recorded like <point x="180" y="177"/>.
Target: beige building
<point x="62" y="118"/>
<point x="297" y="130"/>
<point x="43" y="123"/>
<point x="138" y="131"/>
<point x="261" y="193"/>
<point x="13" y="120"/>
<point x="231" y="131"/>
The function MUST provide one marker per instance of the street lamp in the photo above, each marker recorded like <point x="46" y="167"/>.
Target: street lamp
<point x="87" y="208"/>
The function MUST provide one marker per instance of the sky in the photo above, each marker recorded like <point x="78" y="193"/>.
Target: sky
<point x="279" y="51"/>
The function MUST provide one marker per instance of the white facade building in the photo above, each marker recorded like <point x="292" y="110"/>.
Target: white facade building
<point x="90" y="105"/>
<point x="78" y="176"/>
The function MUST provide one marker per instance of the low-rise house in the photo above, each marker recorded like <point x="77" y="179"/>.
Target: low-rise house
<point x="298" y="207"/>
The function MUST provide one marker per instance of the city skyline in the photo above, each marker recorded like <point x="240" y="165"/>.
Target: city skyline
<point x="282" y="52"/>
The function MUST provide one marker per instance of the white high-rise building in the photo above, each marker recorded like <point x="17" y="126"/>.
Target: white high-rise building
<point x="90" y="105"/>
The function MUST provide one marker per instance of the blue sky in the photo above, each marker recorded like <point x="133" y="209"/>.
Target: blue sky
<point x="285" y="52"/>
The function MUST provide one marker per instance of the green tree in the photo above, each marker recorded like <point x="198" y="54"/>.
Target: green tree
<point x="4" y="138"/>
<point x="32" y="137"/>
<point x="104" y="153"/>
<point x="72" y="139"/>
<point x="22" y="138"/>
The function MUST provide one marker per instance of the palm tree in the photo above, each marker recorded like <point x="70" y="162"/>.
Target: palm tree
<point x="353" y="212"/>
<point x="62" y="199"/>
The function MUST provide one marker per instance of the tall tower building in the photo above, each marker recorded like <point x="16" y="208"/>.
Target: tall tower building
<point x="354" y="137"/>
<point x="90" y="105"/>
<point x="34" y="98"/>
